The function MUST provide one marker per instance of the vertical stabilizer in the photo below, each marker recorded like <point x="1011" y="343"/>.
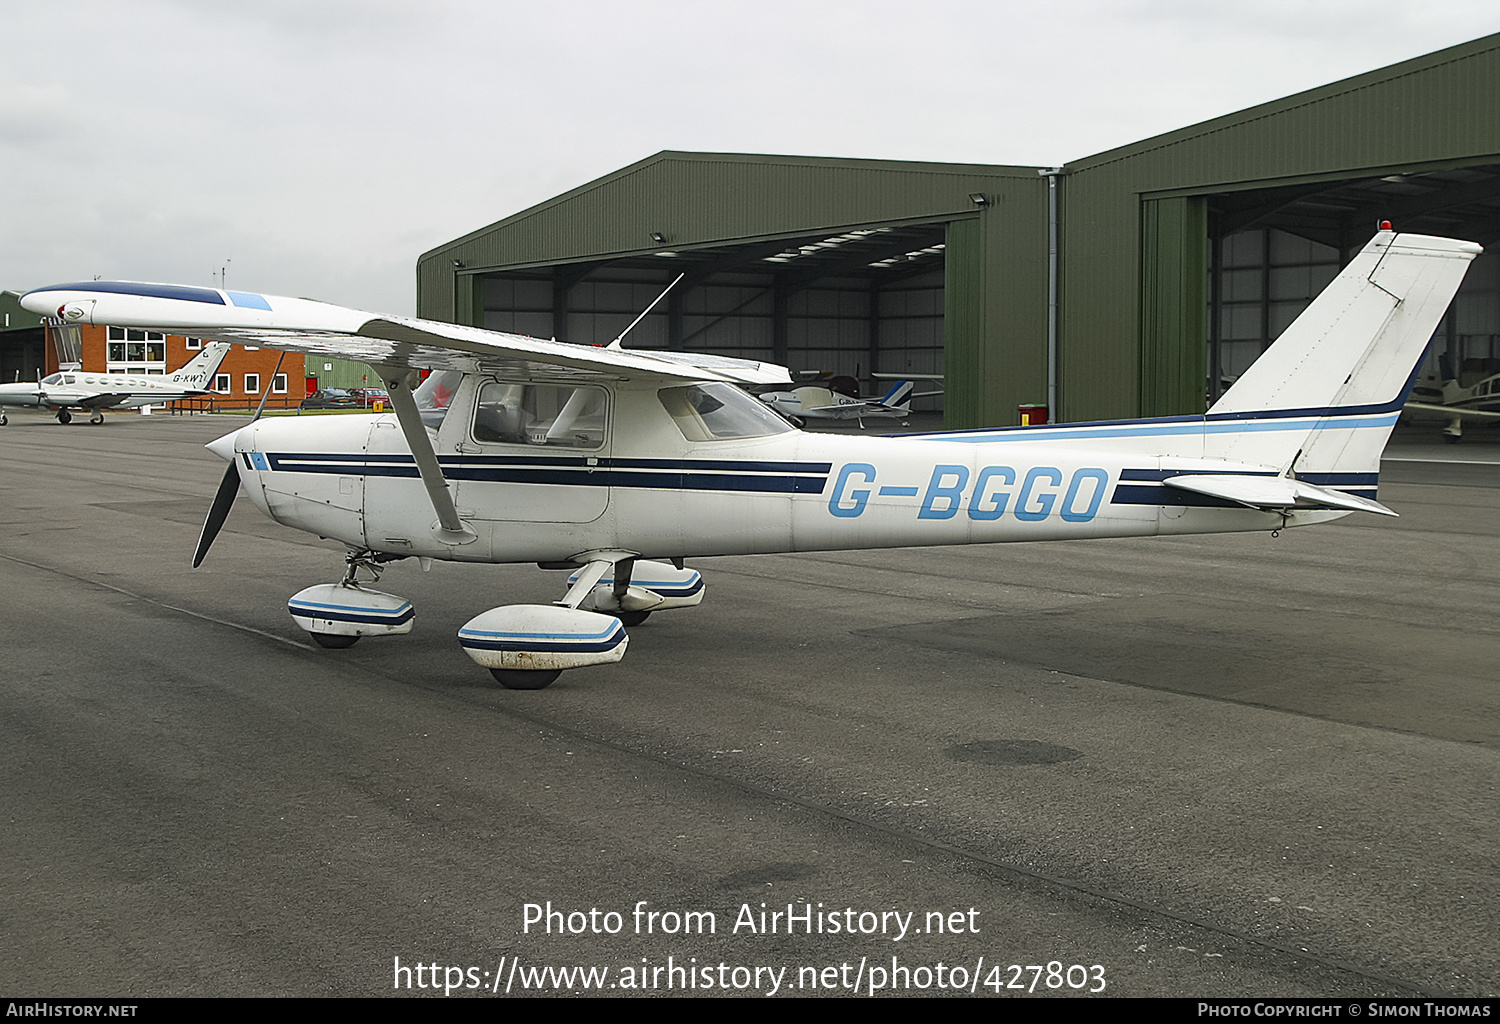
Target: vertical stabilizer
<point x="199" y="370"/>
<point x="1322" y="400"/>
<point x="898" y="398"/>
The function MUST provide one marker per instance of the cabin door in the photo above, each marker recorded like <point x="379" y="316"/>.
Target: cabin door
<point x="535" y="453"/>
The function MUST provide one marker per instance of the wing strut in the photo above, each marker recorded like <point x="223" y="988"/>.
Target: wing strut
<point x="451" y="529"/>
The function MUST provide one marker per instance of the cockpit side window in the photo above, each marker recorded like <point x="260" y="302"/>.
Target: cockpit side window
<point x="541" y="415"/>
<point x="720" y="412"/>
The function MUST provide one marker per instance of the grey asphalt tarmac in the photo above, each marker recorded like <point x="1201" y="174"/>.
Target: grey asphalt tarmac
<point x="1215" y="766"/>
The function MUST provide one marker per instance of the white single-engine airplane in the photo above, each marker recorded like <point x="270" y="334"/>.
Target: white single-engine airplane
<point x="1480" y="403"/>
<point x="598" y="459"/>
<point x="70" y="390"/>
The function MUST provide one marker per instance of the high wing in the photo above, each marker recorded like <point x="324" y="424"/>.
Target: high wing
<point x="321" y="329"/>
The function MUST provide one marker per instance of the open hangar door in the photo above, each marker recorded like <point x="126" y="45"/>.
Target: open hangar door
<point x="1272" y="250"/>
<point x="852" y="303"/>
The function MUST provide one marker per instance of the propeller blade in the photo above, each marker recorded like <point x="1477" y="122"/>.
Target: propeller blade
<point x="229" y="489"/>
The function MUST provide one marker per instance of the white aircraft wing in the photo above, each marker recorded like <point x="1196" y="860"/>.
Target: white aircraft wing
<point x="104" y="400"/>
<point x="846" y="407"/>
<point x="321" y="329"/>
<point x="1455" y="410"/>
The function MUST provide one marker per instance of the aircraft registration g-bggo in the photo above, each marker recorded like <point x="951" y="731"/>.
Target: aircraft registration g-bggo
<point x="619" y="464"/>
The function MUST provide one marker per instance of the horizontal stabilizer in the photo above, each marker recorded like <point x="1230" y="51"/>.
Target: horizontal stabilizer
<point x="1273" y="493"/>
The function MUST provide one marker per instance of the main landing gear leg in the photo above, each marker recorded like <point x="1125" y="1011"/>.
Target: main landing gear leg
<point x="623" y="572"/>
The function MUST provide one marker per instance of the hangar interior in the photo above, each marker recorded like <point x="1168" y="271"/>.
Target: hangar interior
<point x="1135" y="282"/>
<point x="1273" y="250"/>
<point x="22" y="341"/>
<point x="861" y="302"/>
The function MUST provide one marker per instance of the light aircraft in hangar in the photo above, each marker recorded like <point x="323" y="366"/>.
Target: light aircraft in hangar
<point x="1479" y="403"/>
<point x="69" y="391"/>
<point x="618" y="464"/>
<point x="818" y="402"/>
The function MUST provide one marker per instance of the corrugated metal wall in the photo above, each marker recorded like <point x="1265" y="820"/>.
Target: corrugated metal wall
<point x="1174" y="305"/>
<point x="697" y="199"/>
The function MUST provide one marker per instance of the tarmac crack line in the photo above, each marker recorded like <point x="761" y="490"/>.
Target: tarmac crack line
<point x="159" y="604"/>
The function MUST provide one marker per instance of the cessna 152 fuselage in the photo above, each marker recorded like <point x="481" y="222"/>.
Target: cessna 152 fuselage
<point x="619" y="464"/>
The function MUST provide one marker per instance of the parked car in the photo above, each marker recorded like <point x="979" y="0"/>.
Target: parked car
<point x="367" y="397"/>
<point x="330" y="398"/>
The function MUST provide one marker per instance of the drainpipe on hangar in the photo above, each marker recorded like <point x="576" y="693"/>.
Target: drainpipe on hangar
<point x="1052" y="174"/>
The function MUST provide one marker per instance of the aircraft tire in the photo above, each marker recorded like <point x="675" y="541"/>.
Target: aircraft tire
<point x="97" y="418"/>
<point x="523" y="679"/>
<point x="64" y="417"/>
<point x="631" y="618"/>
<point x="1451" y="438"/>
<point x="333" y="641"/>
<point x="4" y="419"/>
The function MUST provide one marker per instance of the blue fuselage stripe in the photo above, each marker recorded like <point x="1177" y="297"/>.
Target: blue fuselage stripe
<point x="669" y="474"/>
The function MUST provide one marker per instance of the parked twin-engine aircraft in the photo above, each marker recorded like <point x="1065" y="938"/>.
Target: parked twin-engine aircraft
<point x="70" y="390"/>
<point x="600" y="459"/>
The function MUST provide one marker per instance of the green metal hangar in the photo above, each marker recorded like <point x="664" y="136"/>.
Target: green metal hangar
<point x="1177" y="259"/>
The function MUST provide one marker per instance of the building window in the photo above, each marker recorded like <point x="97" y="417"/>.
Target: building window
<point x="252" y="383"/>
<point x="194" y="344"/>
<point x="222" y="384"/>
<point x="278" y="384"/>
<point x="131" y="351"/>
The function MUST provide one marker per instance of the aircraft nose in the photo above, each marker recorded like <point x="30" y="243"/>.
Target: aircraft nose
<point x="224" y="446"/>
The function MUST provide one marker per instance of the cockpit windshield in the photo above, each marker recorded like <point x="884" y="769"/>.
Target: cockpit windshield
<point x="720" y="412"/>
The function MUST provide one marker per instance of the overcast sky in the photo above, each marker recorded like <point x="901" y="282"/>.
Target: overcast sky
<point x="317" y="147"/>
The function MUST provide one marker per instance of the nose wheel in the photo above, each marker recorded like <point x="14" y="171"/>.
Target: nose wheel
<point x="64" y="417"/>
